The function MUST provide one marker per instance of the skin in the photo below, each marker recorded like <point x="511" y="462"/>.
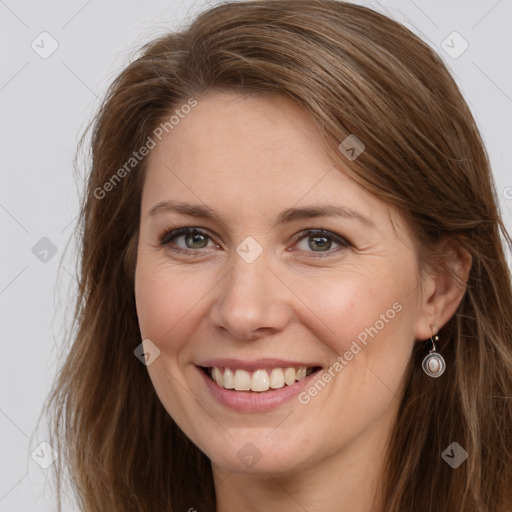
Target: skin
<point x="248" y="159"/>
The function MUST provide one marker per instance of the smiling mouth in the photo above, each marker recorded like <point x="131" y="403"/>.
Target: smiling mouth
<point x="258" y="381"/>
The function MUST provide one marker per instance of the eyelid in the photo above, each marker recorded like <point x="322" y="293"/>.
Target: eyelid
<point x="171" y="233"/>
<point x="321" y="231"/>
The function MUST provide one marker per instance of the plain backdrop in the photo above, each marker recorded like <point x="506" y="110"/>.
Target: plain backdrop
<point x="57" y="58"/>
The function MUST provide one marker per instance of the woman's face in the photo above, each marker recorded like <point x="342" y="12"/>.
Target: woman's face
<point x="287" y="264"/>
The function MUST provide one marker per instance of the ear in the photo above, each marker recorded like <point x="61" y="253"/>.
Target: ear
<point x="443" y="288"/>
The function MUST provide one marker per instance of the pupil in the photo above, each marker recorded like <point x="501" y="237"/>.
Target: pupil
<point x="196" y="238"/>
<point x="321" y="241"/>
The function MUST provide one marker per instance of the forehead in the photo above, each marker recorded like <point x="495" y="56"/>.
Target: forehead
<point x="242" y="132"/>
<point x="250" y="154"/>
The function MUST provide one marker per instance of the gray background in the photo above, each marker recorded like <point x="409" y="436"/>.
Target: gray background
<point x="45" y="103"/>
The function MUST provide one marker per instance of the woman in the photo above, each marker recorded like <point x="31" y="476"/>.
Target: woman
<point x="294" y="293"/>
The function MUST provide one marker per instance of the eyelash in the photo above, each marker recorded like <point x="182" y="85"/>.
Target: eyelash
<point x="170" y="234"/>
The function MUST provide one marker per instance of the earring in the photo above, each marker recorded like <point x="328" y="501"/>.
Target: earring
<point x="434" y="364"/>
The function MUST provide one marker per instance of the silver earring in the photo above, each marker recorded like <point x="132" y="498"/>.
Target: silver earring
<point x="434" y="364"/>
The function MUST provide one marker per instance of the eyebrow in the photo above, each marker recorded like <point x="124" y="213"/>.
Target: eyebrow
<point x="286" y="216"/>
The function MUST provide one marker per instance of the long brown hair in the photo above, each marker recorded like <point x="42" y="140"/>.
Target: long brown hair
<point x="356" y="72"/>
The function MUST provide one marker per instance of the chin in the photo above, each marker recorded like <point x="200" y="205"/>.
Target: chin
<point x="255" y="454"/>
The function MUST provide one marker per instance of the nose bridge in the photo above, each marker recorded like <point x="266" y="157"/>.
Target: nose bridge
<point x="249" y="297"/>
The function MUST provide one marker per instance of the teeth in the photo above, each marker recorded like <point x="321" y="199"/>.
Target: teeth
<point x="289" y="376"/>
<point x="276" y="378"/>
<point x="218" y="377"/>
<point x="301" y="373"/>
<point x="259" y="380"/>
<point x="229" y="379"/>
<point x="242" y="380"/>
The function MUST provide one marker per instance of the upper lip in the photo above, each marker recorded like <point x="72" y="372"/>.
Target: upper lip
<point x="256" y="364"/>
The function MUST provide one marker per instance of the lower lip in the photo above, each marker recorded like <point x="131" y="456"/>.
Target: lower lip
<point x="254" y="401"/>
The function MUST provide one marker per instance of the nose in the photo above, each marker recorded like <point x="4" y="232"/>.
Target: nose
<point x="251" y="302"/>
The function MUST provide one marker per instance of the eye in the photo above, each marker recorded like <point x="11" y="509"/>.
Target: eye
<point x="321" y="241"/>
<point x="191" y="239"/>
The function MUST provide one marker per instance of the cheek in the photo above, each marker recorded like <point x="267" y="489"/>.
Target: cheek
<point x="167" y="301"/>
<point x="367" y="319"/>
<point x="167" y="309"/>
<point x="353" y="306"/>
